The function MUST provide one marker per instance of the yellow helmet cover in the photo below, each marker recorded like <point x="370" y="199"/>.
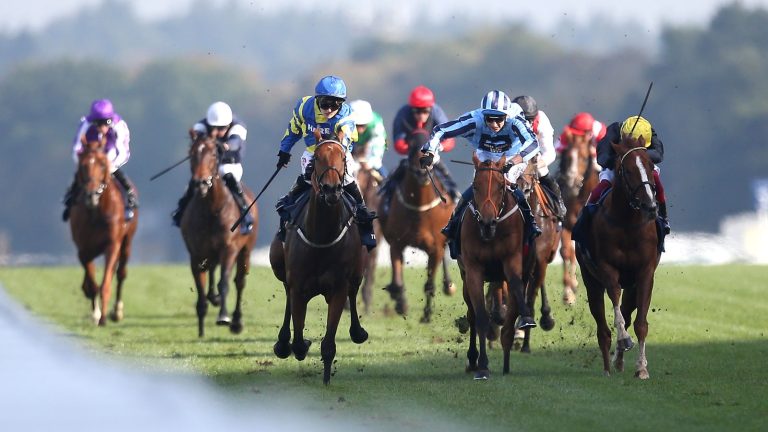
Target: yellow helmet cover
<point x="641" y="129"/>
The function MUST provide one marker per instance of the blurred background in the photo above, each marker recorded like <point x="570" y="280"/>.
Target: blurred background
<point x="163" y="63"/>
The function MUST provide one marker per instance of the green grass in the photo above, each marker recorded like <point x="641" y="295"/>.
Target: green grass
<point x="706" y="353"/>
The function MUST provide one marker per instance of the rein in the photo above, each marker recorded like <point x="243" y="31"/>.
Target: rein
<point x="632" y="192"/>
<point x="498" y="210"/>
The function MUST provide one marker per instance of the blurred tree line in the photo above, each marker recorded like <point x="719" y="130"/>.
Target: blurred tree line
<point x="709" y="104"/>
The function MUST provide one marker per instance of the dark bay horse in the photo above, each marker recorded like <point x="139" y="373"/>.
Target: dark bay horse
<point x="205" y="229"/>
<point x="621" y="252"/>
<point x="368" y="180"/>
<point x="98" y="225"/>
<point x="322" y="255"/>
<point x="577" y="177"/>
<point x="491" y="250"/>
<point x="416" y="218"/>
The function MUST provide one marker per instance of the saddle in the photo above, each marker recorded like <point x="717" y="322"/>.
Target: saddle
<point x="293" y="210"/>
<point x="548" y="198"/>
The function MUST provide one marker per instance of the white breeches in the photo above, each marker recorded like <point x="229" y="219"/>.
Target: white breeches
<point x="351" y="168"/>
<point x="235" y="169"/>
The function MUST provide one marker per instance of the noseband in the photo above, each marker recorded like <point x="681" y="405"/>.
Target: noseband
<point x="500" y="215"/>
<point x="634" y="200"/>
<point x="102" y="185"/>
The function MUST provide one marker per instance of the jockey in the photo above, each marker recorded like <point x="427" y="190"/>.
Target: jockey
<point x="104" y="123"/>
<point x="327" y="112"/>
<point x="230" y="135"/>
<point x="544" y="132"/>
<point x="371" y="136"/>
<point x="606" y="157"/>
<point x="421" y="112"/>
<point x="496" y="129"/>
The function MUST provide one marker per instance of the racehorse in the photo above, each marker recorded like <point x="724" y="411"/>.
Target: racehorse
<point x="205" y="229"/>
<point x="368" y="179"/>
<point x="621" y="252"/>
<point x="577" y="177"/>
<point x="534" y="263"/>
<point x="98" y="225"/>
<point x="416" y="217"/>
<point x="322" y="255"/>
<point x="491" y="250"/>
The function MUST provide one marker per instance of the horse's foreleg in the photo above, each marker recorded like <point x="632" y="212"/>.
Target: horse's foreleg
<point x="110" y="262"/>
<point x="644" y="291"/>
<point x="89" y="287"/>
<point x="198" y="274"/>
<point x="569" y="270"/>
<point x="429" y="287"/>
<point x="396" y="288"/>
<point x="241" y="272"/>
<point x="449" y="288"/>
<point x="227" y="262"/>
<point x="122" y="273"/>
<point x="475" y="297"/>
<point x="212" y="295"/>
<point x="282" y="347"/>
<point x="508" y="332"/>
<point x="328" y="345"/>
<point x="356" y="331"/>
<point x="370" y="279"/>
<point x="596" y="300"/>
<point x="300" y="346"/>
<point x="472" y="353"/>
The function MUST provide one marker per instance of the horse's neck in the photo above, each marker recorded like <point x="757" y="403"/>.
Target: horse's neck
<point x="218" y="196"/>
<point x="617" y="202"/>
<point x="418" y="192"/>
<point x="323" y="222"/>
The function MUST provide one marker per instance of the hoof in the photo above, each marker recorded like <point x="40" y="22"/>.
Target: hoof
<point x="625" y="344"/>
<point x="470" y="368"/>
<point x="223" y="320"/>
<point x="606" y="373"/>
<point x="642" y="374"/>
<point x="482" y="375"/>
<point x="449" y="289"/>
<point x="214" y="299"/>
<point x="395" y="291"/>
<point x="618" y="365"/>
<point x="102" y="321"/>
<point x="300" y="349"/>
<point x="236" y="327"/>
<point x="425" y="319"/>
<point x="114" y="317"/>
<point x="282" y="349"/>
<point x="546" y="322"/>
<point x="358" y="336"/>
<point x="401" y="307"/>
<point x="525" y="349"/>
<point x="569" y="297"/>
<point x="525" y="322"/>
<point x="462" y="323"/>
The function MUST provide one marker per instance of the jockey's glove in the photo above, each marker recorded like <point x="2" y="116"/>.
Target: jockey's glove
<point x="427" y="160"/>
<point x="283" y="158"/>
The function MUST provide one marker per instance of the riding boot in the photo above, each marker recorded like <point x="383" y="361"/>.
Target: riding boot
<point x="552" y="185"/>
<point x="182" y="204"/>
<point x="445" y="177"/>
<point x="237" y="192"/>
<point x="664" y="217"/>
<point x="452" y="228"/>
<point x="287" y="201"/>
<point x="388" y="188"/>
<point x="531" y="228"/>
<point x="69" y="199"/>
<point x="130" y="193"/>
<point x="363" y="216"/>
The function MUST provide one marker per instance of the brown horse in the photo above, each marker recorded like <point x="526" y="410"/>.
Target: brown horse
<point x="491" y="250"/>
<point x="416" y="218"/>
<point x="322" y="255"/>
<point x="98" y="225"/>
<point x="368" y="180"/>
<point x="205" y="229"/>
<point x="621" y="252"/>
<point x="577" y="177"/>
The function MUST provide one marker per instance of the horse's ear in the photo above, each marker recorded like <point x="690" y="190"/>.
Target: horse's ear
<point x="318" y="135"/>
<point x="617" y="147"/>
<point x="340" y="135"/>
<point x="641" y="142"/>
<point x="83" y="141"/>
<point x="502" y="161"/>
<point x="475" y="159"/>
<point x="192" y="133"/>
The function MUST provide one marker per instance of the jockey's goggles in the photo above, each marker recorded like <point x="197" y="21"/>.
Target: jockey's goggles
<point x="102" y="122"/>
<point x="327" y="103"/>
<point x="426" y="110"/>
<point x="495" y="119"/>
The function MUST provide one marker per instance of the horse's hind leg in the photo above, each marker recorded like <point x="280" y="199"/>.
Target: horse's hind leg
<point x="122" y="273"/>
<point x="474" y="288"/>
<point x="596" y="300"/>
<point x="198" y="274"/>
<point x="227" y="263"/>
<point x="300" y="346"/>
<point x="282" y="347"/>
<point x="396" y="288"/>
<point x="328" y="345"/>
<point x="356" y="331"/>
<point x="472" y="353"/>
<point x="243" y="264"/>
<point x="89" y="287"/>
<point x="449" y="288"/>
<point x="644" y="290"/>
<point x="429" y="287"/>
<point x="212" y="295"/>
<point x="110" y="262"/>
<point x="369" y="281"/>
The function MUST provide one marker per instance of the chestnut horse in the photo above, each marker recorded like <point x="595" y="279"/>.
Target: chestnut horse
<point x="621" y="252"/>
<point x="368" y="180"/>
<point x="322" y="255"/>
<point x="98" y="225"/>
<point x="416" y="218"/>
<point x="205" y="229"/>
<point x="577" y="177"/>
<point x="491" y="250"/>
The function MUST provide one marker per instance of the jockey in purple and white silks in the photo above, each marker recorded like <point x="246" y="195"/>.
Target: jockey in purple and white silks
<point x="230" y="134"/>
<point x="496" y="129"/>
<point x="327" y="112"/>
<point x="103" y="123"/>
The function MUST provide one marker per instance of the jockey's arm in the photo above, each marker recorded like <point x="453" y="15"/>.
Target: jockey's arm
<point x="529" y="145"/>
<point x="294" y="132"/>
<point x="656" y="149"/>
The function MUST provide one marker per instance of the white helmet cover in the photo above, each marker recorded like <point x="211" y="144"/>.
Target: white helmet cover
<point x="219" y="114"/>
<point x="361" y="111"/>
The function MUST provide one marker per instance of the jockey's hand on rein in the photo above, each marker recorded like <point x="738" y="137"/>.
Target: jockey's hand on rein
<point x="427" y="160"/>
<point x="283" y="159"/>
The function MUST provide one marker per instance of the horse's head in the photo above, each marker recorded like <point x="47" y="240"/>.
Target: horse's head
<point x="330" y="165"/>
<point x="416" y="140"/>
<point x="93" y="173"/>
<point x="203" y="161"/>
<point x="530" y="176"/>
<point x="634" y="170"/>
<point x="575" y="161"/>
<point x="490" y="188"/>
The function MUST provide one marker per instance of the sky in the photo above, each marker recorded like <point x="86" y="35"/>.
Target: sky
<point x="542" y="14"/>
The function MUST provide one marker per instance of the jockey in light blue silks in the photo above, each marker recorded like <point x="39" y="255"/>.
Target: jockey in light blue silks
<point x="496" y="129"/>
<point x="328" y="112"/>
<point x="103" y="123"/>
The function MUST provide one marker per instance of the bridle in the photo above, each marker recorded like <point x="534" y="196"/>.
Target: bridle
<point x="319" y="178"/>
<point x="96" y="194"/>
<point x="207" y="181"/>
<point x="632" y="193"/>
<point x="498" y="210"/>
